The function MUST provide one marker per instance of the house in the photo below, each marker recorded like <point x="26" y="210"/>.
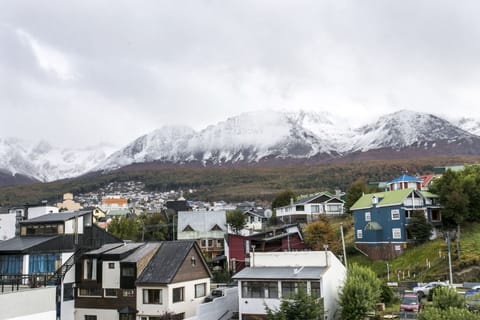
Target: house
<point x="10" y="218"/>
<point x="255" y="219"/>
<point x="114" y="202"/>
<point x="208" y="228"/>
<point x="239" y="248"/>
<point x="45" y="253"/>
<point x="68" y="203"/>
<point x="381" y="218"/>
<point x="105" y="280"/>
<point x="176" y="280"/>
<point x="276" y="275"/>
<point x="309" y="208"/>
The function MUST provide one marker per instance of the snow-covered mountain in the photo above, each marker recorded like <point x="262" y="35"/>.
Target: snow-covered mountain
<point x="255" y="137"/>
<point x="260" y="136"/>
<point x="43" y="162"/>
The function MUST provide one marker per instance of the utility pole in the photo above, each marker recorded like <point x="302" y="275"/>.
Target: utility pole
<point x="343" y="245"/>
<point x="449" y="259"/>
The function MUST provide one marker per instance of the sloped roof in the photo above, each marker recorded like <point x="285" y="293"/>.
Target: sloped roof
<point x="166" y="262"/>
<point x="427" y="194"/>
<point x="23" y="243"/>
<point x="202" y="221"/>
<point x="405" y="178"/>
<point x="387" y="198"/>
<point x="306" y="200"/>
<point x="57" y="217"/>
<point x="290" y="273"/>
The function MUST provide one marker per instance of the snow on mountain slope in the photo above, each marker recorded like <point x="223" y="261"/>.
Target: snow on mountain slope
<point x="247" y="137"/>
<point x="43" y="162"/>
<point x="406" y="128"/>
<point x="250" y="137"/>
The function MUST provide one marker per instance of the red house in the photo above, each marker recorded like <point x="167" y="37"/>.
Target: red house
<point x="284" y="238"/>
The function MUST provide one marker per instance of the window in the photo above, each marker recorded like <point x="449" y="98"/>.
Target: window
<point x="315" y="289"/>
<point x="200" y="290"/>
<point x="90" y="269"/>
<point x="260" y="289"/>
<point x="152" y="296"/>
<point x="11" y="264"/>
<point x="436" y="215"/>
<point x="395" y="214"/>
<point x="300" y="208"/>
<point x="220" y="243"/>
<point x="368" y="216"/>
<point x="315" y="208"/>
<point x="178" y="294"/>
<point x="111" y="293"/>
<point x="128" y="271"/>
<point x="334" y="208"/>
<point x="89" y="317"/>
<point x="359" y="234"/>
<point x="203" y="243"/>
<point x="90" y="292"/>
<point x="291" y="287"/>
<point x="67" y="291"/>
<point x="396" y="233"/>
<point x="127" y="316"/>
<point x="42" y="263"/>
<point x="128" y="292"/>
<point x="111" y="265"/>
<point x="210" y="243"/>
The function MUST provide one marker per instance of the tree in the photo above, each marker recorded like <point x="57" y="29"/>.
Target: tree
<point x="320" y="233"/>
<point x="299" y="306"/>
<point x="236" y="220"/>
<point x="153" y="227"/>
<point x="355" y="192"/>
<point x="283" y="199"/>
<point x="446" y="314"/>
<point x="446" y="297"/>
<point x="419" y="229"/>
<point x="125" y="228"/>
<point x="360" y="292"/>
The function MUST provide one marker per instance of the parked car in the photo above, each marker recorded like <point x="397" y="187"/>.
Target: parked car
<point x="410" y="302"/>
<point x="472" y="298"/>
<point x="423" y="291"/>
<point x="215" y="293"/>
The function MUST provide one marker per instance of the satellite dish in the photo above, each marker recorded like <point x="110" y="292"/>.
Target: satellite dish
<point x="268" y="213"/>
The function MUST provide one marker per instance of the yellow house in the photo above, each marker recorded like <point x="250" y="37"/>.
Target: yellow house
<point x="68" y="203"/>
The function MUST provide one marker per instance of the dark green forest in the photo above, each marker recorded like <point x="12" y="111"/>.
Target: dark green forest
<point x="233" y="183"/>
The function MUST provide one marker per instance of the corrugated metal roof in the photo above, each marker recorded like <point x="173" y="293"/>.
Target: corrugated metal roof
<point x="164" y="265"/>
<point x="405" y="178"/>
<point x="290" y="273"/>
<point x="56" y="217"/>
<point x="23" y="243"/>
<point x="142" y="251"/>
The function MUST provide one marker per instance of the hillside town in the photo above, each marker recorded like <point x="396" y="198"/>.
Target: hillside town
<point x="124" y="253"/>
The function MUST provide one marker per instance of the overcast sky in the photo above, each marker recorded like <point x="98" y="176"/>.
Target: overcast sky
<point x="82" y="72"/>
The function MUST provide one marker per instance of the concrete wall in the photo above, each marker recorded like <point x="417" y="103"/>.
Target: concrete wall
<point x="7" y="226"/>
<point x="292" y="259"/>
<point x="34" y="212"/>
<point x="36" y="304"/>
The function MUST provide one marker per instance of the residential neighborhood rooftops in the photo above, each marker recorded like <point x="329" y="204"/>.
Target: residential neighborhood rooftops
<point x="405" y="178"/>
<point x="141" y="252"/>
<point x="299" y="272"/>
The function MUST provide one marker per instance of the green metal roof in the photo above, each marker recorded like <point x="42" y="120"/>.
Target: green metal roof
<point x="384" y="198"/>
<point x="427" y="194"/>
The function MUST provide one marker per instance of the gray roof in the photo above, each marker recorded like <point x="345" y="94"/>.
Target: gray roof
<point x="165" y="264"/>
<point x="23" y="243"/>
<point x="202" y="221"/>
<point x="141" y="252"/>
<point x="290" y="273"/>
<point x="56" y="217"/>
<point x="104" y="248"/>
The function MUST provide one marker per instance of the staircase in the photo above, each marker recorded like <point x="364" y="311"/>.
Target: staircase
<point x="59" y="275"/>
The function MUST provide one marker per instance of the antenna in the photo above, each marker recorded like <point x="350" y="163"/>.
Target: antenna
<point x="267" y="213"/>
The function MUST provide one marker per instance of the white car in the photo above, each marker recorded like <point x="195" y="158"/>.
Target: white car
<point x="423" y="291"/>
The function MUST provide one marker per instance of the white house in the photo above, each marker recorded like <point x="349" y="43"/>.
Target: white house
<point x="307" y="209"/>
<point x="176" y="280"/>
<point x="275" y="275"/>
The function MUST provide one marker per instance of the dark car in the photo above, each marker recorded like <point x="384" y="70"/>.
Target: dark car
<point x="215" y="293"/>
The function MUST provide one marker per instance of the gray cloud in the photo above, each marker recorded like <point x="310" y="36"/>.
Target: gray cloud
<point x="113" y="70"/>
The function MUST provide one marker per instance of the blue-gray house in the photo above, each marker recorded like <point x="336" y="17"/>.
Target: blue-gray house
<point x="381" y="218"/>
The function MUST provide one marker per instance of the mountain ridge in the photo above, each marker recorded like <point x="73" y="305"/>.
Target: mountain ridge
<point x="259" y="137"/>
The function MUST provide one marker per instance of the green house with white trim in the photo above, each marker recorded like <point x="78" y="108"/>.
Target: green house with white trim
<point x="381" y="218"/>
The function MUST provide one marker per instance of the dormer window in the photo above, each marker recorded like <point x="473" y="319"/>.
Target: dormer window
<point x="374" y="200"/>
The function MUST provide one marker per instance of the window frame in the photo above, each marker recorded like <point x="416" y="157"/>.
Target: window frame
<point x="200" y="285"/>
<point x="152" y="296"/>
<point x="178" y="294"/>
